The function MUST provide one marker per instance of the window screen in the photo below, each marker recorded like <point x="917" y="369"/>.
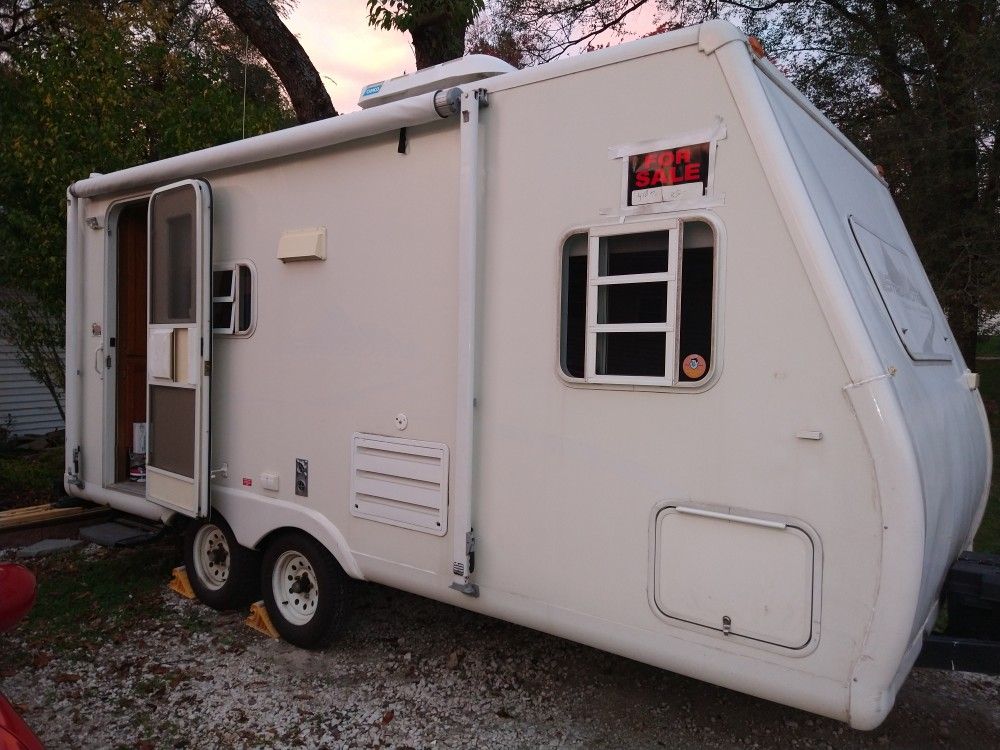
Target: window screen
<point x="172" y="429"/>
<point x="634" y="289"/>
<point x="172" y="256"/>
<point x="697" y="302"/>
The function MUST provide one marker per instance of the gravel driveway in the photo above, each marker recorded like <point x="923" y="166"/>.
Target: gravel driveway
<point x="415" y="673"/>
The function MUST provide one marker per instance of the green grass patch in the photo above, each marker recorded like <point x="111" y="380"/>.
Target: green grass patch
<point x="988" y="536"/>
<point x="30" y="473"/>
<point x="988" y="346"/>
<point x="86" y="600"/>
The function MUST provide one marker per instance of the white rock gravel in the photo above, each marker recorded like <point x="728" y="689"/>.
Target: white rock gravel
<point x="414" y="673"/>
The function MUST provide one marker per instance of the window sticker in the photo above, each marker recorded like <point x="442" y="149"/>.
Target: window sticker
<point x="694" y="366"/>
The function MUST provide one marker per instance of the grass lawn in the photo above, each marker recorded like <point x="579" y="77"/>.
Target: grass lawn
<point x="27" y="478"/>
<point x="988" y="346"/>
<point x="83" y="599"/>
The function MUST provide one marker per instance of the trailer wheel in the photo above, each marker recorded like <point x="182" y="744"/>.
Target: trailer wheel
<point x="305" y="590"/>
<point x="222" y="572"/>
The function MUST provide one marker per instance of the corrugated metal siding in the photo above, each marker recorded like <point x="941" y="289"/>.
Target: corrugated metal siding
<point x="24" y="398"/>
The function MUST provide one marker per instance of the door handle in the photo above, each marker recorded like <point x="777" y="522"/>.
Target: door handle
<point x="98" y="356"/>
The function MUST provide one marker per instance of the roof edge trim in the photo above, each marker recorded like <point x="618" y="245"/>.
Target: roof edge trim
<point x="715" y="34"/>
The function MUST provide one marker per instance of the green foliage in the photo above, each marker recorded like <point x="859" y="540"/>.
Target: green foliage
<point x="34" y="472"/>
<point x="96" y="87"/>
<point x="404" y="15"/>
<point x="989" y="346"/>
<point x="917" y="86"/>
<point x="437" y="27"/>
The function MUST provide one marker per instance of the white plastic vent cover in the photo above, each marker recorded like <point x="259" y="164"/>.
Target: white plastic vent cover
<point x="400" y="482"/>
<point x="907" y="295"/>
<point x="443" y="76"/>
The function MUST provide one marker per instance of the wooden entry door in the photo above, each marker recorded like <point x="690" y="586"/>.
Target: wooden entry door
<point x="130" y="341"/>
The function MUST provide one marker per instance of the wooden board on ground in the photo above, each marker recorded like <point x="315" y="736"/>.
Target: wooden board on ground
<point x="40" y="515"/>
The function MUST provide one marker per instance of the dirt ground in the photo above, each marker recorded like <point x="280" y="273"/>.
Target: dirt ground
<point x="139" y="667"/>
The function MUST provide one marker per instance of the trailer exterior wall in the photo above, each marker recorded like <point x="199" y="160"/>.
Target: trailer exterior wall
<point x="613" y="454"/>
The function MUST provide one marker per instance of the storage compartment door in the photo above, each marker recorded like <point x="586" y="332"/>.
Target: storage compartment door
<point x="179" y="347"/>
<point x="741" y="576"/>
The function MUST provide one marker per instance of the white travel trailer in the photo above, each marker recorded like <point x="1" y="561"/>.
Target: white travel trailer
<point x="632" y="348"/>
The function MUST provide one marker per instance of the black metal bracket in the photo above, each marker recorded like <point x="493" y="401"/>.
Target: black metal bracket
<point x="960" y="654"/>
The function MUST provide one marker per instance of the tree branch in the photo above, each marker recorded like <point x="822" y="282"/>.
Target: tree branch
<point x="268" y="33"/>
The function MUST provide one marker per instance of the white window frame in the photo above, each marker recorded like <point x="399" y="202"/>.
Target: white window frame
<point x="233" y="298"/>
<point x="594" y="283"/>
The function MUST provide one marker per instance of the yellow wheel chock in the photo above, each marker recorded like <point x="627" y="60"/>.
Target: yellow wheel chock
<point x="181" y="584"/>
<point x="259" y="620"/>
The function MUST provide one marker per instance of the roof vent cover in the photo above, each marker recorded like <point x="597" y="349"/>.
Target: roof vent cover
<point x="445" y="75"/>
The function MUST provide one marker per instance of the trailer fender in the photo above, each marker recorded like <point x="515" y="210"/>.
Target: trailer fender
<point x="252" y="517"/>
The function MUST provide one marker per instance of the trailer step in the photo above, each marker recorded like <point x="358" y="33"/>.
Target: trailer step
<point x="125" y="532"/>
<point x="42" y="515"/>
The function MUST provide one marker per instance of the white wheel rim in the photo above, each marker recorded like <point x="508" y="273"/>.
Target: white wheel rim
<point x="211" y="557"/>
<point x="295" y="588"/>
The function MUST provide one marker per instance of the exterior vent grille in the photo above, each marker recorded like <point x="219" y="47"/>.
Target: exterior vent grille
<point x="400" y="482"/>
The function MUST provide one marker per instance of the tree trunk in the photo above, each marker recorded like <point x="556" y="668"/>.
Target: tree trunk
<point x="268" y="33"/>
<point x="437" y="40"/>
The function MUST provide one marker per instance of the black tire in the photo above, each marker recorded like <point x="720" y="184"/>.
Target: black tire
<point x="317" y="585"/>
<point x="236" y="586"/>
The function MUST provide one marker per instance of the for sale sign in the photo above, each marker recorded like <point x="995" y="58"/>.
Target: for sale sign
<point x="668" y="175"/>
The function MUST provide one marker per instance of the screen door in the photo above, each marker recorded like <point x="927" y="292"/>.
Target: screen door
<point x="179" y="346"/>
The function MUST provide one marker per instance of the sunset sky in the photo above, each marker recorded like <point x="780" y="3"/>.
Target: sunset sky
<point x="349" y="54"/>
<point x="345" y="50"/>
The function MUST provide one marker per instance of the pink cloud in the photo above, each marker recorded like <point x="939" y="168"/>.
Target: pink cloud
<point x="347" y="52"/>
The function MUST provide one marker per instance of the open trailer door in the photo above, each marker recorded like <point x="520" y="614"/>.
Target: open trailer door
<point x="179" y="347"/>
